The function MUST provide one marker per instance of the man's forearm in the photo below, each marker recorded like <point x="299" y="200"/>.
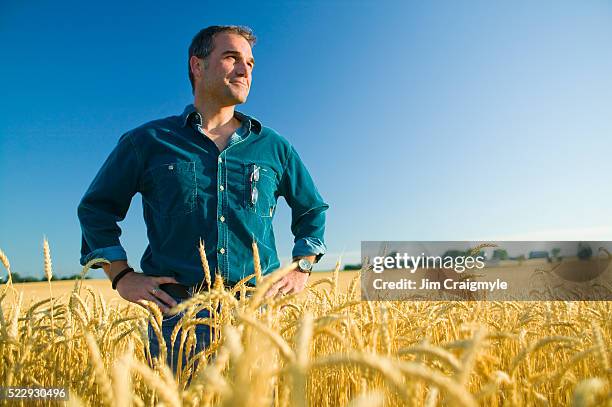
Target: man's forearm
<point x="114" y="268"/>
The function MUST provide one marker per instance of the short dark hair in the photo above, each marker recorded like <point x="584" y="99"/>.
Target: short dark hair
<point x="202" y="44"/>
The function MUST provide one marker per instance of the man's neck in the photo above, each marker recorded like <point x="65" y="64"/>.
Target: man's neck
<point x="216" y="119"/>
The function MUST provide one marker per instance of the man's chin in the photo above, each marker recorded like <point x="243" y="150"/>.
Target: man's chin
<point x="238" y="99"/>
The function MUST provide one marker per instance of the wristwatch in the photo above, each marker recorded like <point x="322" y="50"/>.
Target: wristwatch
<point x="304" y="266"/>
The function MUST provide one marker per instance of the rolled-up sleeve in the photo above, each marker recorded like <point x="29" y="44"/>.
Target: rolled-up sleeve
<point x="307" y="208"/>
<point x="107" y="201"/>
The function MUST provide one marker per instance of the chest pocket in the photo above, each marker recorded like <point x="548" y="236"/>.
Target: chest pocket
<point x="175" y="188"/>
<point x="260" y="189"/>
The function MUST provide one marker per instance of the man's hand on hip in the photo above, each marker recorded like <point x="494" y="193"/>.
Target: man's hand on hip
<point x="137" y="286"/>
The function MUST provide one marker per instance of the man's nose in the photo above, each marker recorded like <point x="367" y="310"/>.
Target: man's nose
<point x="242" y="69"/>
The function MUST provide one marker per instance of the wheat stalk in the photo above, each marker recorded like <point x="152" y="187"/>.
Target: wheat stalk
<point x="590" y="392"/>
<point x="122" y="386"/>
<point x="166" y="393"/>
<point x="7" y="265"/>
<point x="13" y="330"/>
<point x="335" y="278"/>
<point x="375" y="399"/>
<point x="256" y="263"/>
<point x="299" y="367"/>
<point x="48" y="266"/>
<point x="601" y="347"/>
<point x="99" y="370"/>
<point x="205" y="265"/>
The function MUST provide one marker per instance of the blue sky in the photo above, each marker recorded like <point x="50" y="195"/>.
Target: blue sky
<point x="418" y="120"/>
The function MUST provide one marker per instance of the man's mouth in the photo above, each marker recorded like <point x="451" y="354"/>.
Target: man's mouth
<point x="239" y="83"/>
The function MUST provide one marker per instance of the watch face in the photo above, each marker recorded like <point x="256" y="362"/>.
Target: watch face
<point x="305" y="264"/>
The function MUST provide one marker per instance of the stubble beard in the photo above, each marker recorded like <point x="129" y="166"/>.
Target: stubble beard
<point x="236" y="97"/>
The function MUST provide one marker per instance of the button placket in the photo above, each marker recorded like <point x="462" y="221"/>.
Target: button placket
<point x="222" y="205"/>
<point x="221" y="227"/>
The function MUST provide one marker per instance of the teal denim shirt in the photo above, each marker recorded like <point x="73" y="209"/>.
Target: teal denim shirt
<point x="191" y="190"/>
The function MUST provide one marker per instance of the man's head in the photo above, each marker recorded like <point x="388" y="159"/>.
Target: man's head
<point x="221" y="62"/>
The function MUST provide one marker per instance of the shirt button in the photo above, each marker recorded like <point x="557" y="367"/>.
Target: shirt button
<point x="222" y="218"/>
<point x="221" y="188"/>
<point x="220" y="160"/>
<point x="222" y="250"/>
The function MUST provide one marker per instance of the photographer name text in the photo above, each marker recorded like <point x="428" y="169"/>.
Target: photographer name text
<point x="447" y="284"/>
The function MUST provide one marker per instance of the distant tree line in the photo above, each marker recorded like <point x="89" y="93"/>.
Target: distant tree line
<point x="29" y="279"/>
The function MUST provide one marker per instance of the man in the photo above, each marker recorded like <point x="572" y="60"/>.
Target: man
<point x="211" y="173"/>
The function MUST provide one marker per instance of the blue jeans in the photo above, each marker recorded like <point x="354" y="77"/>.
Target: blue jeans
<point x="168" y="323"/>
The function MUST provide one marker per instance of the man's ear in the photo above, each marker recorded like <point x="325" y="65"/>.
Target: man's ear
<point x="196" y="64"/>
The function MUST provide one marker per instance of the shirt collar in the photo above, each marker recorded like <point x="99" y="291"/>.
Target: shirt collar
<point x="251" y="123"/>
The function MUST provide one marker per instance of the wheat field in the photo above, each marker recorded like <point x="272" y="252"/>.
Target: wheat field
<point x="322" y="347"/>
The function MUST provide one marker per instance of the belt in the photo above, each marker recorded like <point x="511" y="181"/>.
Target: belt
<point x="176" y="290"/>
<point x="184" y="291"/>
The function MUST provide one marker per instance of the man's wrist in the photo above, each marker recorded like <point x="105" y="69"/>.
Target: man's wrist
<point x="304" y="263"/>
<point x="111" y="270"/>
<point x="120" y="275"/>
<point x="311" y="258"/>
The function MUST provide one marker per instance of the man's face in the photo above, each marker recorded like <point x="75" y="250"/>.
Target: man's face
<point x="225" y="74"/>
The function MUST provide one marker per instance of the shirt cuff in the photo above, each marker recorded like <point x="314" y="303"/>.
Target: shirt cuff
<point x="307" y="246"/>
<point x="112" y="253"/>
